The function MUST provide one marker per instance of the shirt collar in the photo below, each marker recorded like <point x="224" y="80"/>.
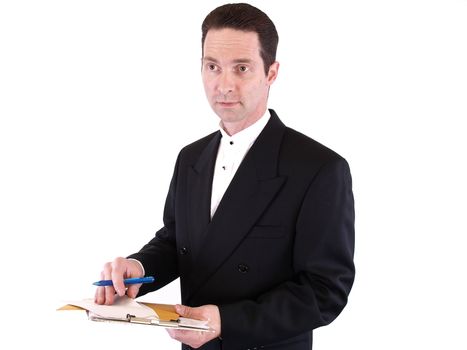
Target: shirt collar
<point x="247" y="136"/>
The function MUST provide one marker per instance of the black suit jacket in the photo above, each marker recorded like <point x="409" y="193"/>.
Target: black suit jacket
<point x="277" y="257"/>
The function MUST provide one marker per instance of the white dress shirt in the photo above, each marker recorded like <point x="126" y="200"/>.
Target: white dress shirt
<point x="232" y="150"/>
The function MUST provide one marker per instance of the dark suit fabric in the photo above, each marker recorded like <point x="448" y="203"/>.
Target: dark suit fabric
<point x="277" y="257"/>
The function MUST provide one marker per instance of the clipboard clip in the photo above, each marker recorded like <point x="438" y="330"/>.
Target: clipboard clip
<point x="147" y="321"/>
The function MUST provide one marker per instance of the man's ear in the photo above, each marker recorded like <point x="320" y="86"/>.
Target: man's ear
<point x="272" y="73"/>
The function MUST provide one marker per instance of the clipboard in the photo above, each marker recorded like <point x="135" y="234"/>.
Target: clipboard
<point x="130" y="311"/>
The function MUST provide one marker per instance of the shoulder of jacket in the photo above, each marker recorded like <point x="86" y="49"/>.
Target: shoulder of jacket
<point x="303" y="145"/>
<point x="200" y="144"/>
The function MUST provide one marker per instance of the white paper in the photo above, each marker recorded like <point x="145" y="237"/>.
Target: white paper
<point x="121" y="307"/>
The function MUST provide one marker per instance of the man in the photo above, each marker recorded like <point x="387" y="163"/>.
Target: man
<point x="259" y="219"/>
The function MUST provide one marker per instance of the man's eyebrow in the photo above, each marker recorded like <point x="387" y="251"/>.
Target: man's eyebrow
<point x="243" y="60"/>
<point x="236" y="61"/>
<point x="210" y="59"/>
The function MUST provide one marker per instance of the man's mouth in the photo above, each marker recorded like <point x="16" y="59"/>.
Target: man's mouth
<point x="227" y="104"/>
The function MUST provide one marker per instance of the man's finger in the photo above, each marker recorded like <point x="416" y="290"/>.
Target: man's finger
<point x="133" y="290"/>
<point x="117" y="278"/>
<point x="107" y="292"/>
<point x="185" y="311"/>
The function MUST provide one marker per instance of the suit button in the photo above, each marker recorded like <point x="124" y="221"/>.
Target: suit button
<point x="183" y="251"/>
<point x="243" y="268"/>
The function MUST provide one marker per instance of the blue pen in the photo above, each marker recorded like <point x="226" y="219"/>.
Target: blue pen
<point x="104" y="283"/>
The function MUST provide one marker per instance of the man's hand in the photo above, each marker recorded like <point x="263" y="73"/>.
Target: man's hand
<point x="196" y="339"/>
<point x="117" y="271"/>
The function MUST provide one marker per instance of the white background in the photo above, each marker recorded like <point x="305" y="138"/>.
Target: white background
<point x="97" y="98"/>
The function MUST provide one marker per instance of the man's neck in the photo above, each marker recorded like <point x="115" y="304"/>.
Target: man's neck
<point x="235" y="127"/>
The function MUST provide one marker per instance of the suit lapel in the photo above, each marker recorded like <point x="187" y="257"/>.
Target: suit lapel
<point x="199" y="200"/>
<point x="252" y="189"/>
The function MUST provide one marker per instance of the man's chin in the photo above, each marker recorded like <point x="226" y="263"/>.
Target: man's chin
<point x="228" y="115"/>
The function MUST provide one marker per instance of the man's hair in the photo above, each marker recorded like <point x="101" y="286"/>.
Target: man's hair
<point x="246" y="18"/>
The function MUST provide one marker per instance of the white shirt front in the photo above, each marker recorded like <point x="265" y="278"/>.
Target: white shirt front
<point x="232" y="150"/>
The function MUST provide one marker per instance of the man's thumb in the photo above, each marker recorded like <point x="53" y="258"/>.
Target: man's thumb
<point x="185" y="311"/>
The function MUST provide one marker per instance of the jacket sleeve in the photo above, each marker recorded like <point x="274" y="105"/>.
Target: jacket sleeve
<point x="323" y="269"/>
<point x="159" y="256"/>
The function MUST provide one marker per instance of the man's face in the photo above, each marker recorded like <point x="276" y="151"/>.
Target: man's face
<point x="233" y="77"/>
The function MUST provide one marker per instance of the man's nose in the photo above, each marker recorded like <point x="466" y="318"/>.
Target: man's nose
<point x="226" y="83"/>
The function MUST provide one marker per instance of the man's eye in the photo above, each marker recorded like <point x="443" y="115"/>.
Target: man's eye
<point x="243" y="69"/>
<point x="212" y="67"/>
